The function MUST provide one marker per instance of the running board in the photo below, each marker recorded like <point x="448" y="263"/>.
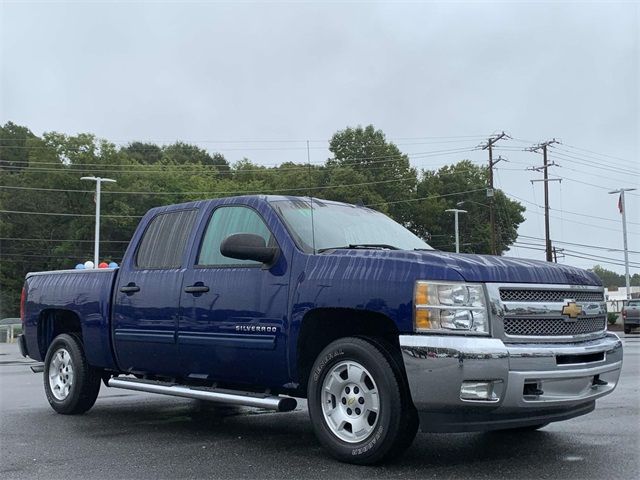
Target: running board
<point x="229" y="397"/>
<point x="37" y="368"/>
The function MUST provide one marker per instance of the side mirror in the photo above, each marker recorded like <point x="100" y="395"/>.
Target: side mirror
<point x="247" y="246"/>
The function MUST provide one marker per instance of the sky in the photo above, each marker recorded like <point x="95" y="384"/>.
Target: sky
<point x="259" y="79"/>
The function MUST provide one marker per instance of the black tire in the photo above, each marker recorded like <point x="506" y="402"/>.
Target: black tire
<point x="84" y="382"/>
<point x="396" y="422"/>
<point x="627" y="330"/>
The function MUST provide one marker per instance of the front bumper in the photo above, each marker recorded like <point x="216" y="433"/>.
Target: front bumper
<point x="569" y="377"/>
<point x="632" y="322"/>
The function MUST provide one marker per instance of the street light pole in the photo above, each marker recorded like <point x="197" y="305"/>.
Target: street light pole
<point x="96" y="241"/>
<point x="623" y="211"/>
<point x="456" y="211"/>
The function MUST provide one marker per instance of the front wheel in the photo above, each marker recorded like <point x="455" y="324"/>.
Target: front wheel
<point x="357" y="407"/>
<point x="71" y="385"/>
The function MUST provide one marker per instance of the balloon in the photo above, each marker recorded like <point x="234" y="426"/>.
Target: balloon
<point x="103" y="265"/>
<point x="113" y="265"/>
<point x="80" y="266"/>
<point x="89" y="264"/>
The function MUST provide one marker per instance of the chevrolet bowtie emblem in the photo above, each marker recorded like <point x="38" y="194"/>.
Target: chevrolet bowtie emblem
<point x="572" y="309"/>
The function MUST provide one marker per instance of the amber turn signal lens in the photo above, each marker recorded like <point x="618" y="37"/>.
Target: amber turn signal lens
<point x="423" y="321"/>
<point x="422" y="294"/>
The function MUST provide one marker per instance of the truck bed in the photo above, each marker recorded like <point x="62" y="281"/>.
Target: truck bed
<point x="87" y="294"/>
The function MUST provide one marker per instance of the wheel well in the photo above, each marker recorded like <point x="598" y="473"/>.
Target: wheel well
<point x="322" y="326"/>
<point x="53" y="322"/>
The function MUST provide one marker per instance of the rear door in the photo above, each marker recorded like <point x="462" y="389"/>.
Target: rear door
<point x="233" y="312"/>
<point x="147" y="296"/>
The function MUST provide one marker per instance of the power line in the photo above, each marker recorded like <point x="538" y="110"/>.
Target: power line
<point x="595" y="153"/>
<point x="424" y="198"/>
<point x="68" y="214"/>
<point x="58" y="240"/>
<point x="133" y="168"/>
<point x="597" y="247"/>
<point x="259" y="191"/>
<point x="584" y="256"/>
<point x="591" y="164"/>
<point x="566" y="220"/>
<point x="140" y="216"/>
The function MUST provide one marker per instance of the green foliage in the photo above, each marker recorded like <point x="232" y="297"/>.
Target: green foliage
<point x="369" y="157"/>
<point x="430" y="215"/>
<point x="613" y="280"/>
<point x="364" y="168"/>
<point x="612" y="318"/>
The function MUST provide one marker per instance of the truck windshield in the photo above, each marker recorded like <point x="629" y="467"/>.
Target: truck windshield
<point x="338" y="225"/>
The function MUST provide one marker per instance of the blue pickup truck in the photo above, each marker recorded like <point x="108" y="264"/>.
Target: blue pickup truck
<point x="259" y="300"/>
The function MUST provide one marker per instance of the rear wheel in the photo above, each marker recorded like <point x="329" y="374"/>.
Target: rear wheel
<point x="627" y="330"/>
<point x="358" y="409"/>
<point x="71" y="385"/>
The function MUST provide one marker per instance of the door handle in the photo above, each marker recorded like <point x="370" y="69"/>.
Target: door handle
<point x="196" y="289"/>
<point x="131" y="288"/>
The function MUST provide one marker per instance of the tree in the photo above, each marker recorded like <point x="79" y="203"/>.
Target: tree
<point x="14" y="139"/>
<point x="364" y="168"/>
<point x="372" y="159"/>
<point x="463" y="185"/>
<point x="613" y="280"/>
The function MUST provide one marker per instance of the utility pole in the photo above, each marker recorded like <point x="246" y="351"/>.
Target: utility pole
<point x="96" y="240"/>
<point x="555" y="253"/>
<point x="456" y="211"/>
<point x="623" y="211"/>
<point x="492" y="215"/>
<point x="545" y="167"/>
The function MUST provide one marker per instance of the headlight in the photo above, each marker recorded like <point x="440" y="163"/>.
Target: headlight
<point x="449" y="307"/>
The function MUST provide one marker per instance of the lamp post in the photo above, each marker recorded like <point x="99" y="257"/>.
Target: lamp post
<point x="456" y="211"/>
<point x="96" y="244"/>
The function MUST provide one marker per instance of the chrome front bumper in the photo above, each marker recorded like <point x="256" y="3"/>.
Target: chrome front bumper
<point x="571" y="376"/>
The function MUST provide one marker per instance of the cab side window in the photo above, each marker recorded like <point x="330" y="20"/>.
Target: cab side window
<point x="227" y="221"/>
<point x="164" y="241"/>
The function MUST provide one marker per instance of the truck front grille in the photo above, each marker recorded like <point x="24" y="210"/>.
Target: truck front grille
<point x="552" y="327"/>
<point x="531" y="295"/>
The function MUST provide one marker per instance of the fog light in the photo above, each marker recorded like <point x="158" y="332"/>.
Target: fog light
<point x="479" y="391"/>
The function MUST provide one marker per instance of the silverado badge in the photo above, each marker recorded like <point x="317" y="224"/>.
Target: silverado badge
<point x="572" y="309"/>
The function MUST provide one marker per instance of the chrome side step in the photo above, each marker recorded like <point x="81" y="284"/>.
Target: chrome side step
<point x="229" y="397"/>
<point x="37" y="368"/>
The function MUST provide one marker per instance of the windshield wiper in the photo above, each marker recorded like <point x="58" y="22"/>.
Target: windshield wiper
<point x="363" y="246"/>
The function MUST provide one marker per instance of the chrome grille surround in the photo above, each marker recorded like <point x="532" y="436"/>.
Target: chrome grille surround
<point x="528" y="313"/>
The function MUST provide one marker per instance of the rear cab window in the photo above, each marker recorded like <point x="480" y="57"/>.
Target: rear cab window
<point x="164" y="241"/>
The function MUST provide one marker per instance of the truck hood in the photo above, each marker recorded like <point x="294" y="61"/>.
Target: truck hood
<point x="438" y="265"/>
<point x="490" y="268"/>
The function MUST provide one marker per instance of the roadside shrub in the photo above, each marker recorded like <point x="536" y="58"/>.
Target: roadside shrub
<point x="612" y="317"/>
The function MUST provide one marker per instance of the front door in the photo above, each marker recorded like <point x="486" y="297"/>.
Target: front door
<point x="233" y="312"/>
<point x="147" y="296"/>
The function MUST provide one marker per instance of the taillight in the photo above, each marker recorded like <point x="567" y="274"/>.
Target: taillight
<point x="23" y="299"/>
<point x="624" y="314"/>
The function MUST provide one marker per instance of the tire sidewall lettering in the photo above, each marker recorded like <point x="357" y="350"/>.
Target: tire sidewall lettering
<point x="371" y="444"/>
<point x="328" y="358"/>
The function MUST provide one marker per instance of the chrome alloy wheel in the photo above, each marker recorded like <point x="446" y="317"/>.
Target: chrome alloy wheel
<point x="350" y="402"/>
<point x="61" y="374"/>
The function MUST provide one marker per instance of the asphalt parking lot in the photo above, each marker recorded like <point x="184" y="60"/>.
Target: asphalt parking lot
<point x="135" y="435"/>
